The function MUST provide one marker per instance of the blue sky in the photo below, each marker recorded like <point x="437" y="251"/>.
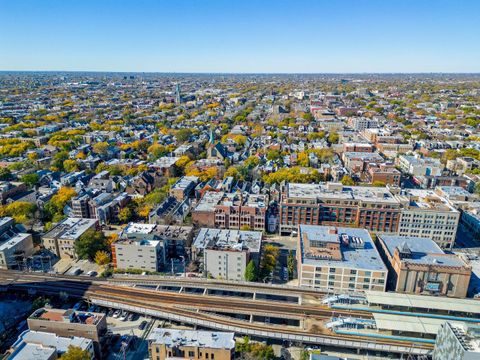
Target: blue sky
<point x="241" y="35"/>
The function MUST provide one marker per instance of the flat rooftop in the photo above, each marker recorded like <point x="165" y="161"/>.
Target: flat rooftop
<point x="422" y="302"/>
<point x="166" y="161"/>
<point x="67" y="316"/>
<point x="423" y="250"/>
<point x="13" y="241"/>
<point x="427" y="200"/>
<point x="223" y="239"/>
<point x="202" y="339"/>
<point x="139" y="228"/>
<point x="156" y="232"/>
<point x="336" y="191"/>
<point x="184" y="182"/>
<point x="139" y="243"/>
<point x="414" y="324"/>
<point x="209" y="200"/>
<point x="71" y="228"/>
<point x="46" y="339"/>
<point x="359" y="253"/>
<point x="29" y="351"/>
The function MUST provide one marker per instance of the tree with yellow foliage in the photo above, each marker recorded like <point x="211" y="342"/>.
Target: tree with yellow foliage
<point x="302" y="159"/>
<point x="58" y="201"/>
<point x="81" y="155"/>
<point x="100" y="148"/>
<point x="102" y="257"/>
<point x="20" y="211"/>
<point x="182" y="162"/>
<point x="71" y="165"/>
<point x="112" y="238"/>
<point x="156" y="150"/>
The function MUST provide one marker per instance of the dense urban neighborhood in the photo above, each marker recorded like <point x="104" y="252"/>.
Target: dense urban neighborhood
<point x="196" y="216"/>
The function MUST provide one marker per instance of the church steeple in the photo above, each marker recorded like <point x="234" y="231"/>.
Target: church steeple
<point x="211" y="138"/>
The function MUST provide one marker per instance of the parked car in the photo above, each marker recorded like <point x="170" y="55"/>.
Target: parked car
<point x="132" y="317"/>
<point x="124" y="316"/>
<point x="110" y="312"/>
<point x="76" y="271"/>
<point x="92" y="273"/>
<point x="143" y="325"/>
<point x="117" y="313"/>
<point x="77" y="306"/>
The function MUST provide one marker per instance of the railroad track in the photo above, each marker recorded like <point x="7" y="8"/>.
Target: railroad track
<point x="181" y="304"/>
<point x="204" y="301"/>
<point x="136" y="301"/>
<point x="7" y="276"/>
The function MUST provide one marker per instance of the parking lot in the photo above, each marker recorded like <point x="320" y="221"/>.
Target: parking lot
<point x="78" y="267"/>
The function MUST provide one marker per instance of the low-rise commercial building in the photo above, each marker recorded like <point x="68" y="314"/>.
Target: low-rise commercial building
<point x="418" y="166"/>
<point x="145" y="255"/>
<point x="339" y="259"/>
<point x="161" y="242"/>
<point x="69" y="323"/>
<point x="226" y="253"/>
<point x="61" y="239"/>
<point x="15" y="245"/>
<point x="190" y="344"/>
<point x="39" y="345"/>
<point x="418" y="266"/>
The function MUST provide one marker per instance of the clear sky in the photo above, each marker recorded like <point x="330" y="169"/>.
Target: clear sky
<point x="241" y="35"/>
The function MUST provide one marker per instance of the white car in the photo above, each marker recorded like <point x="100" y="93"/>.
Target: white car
<point x="117" y="313"/>
<point x="124" y="316"/>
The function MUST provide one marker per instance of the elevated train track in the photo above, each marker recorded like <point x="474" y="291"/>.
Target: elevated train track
<point x="190" y="308"/>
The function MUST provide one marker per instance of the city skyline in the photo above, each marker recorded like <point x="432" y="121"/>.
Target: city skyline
<point x="304" y="37"/>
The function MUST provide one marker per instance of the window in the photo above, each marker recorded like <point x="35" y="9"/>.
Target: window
<point x="191" y="354"/>
<point x="213" y="356"/>
<point x="206" y="355"/>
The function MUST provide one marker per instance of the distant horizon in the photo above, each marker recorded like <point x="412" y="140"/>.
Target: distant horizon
<point x="241" y="37"/>
<point x="242" y="73"/>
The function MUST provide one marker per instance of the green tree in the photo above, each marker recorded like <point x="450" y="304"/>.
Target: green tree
<point x="90" y="243"/>
<point x="30" y="179"/>
<point x="333" y="138"/>
<point x="477" y="188"/>
<point x="58" y="159"/>
<point x="76" y="353"/>
<point x="125" y="214"/>
<point x="183" y="134"/>
<point x="100" y="148"/>
<point x="251" y="271"/>
<point x="269" y="260"/>
<point x="290" y="265"/>
<point x="39" y="302"/>
<point x="347" y="181"/>
<point x="5" y="174"/>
